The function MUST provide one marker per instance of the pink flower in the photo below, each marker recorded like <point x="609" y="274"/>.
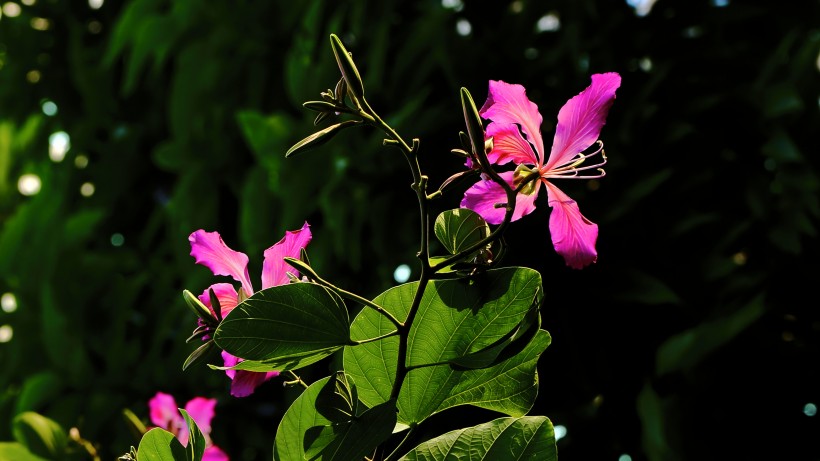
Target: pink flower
<point x="165" y="414"/>
<point x="209" y="250"/>
<point x="516" y="133"/>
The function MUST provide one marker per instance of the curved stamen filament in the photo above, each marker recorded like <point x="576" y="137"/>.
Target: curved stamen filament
<point x="572" y="168"/>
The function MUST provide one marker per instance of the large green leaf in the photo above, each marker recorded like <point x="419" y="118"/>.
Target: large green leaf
<point x="315" y="428"/>
<point x="530" y="438"/>
<point x="458" y="229"/>
<point x="283" y="321"/>
<point x="42" y="436"/>
<point x="508" y="386"/>
<point x="160" y="445"/>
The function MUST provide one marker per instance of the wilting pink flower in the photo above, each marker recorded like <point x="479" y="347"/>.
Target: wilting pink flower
<point x="165" y="414"/>
<point x="516" y="133"/>
<point x="209" y="250"/>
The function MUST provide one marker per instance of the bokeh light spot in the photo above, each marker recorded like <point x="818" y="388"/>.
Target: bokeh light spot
<point x="720" y="3"/>
<point x="29" y="184"/>
<point x="463" y="27"/>
<point x="95" y="4"/>
<point x="809" y="409"/>
<point x="6" y="333"/>
<point x="81" y="161"/>
<point x="117" y="239"/>
<point x="642" y="7"/>
<point x="402" y="273"/>
<point x="456" y="5"/>
<point x="28" y="2"/>
<point x="624" y="457"/>
<point x="548" y="23"/>
<point x="87" y="189"/>
<point x="58" y="145"/>
<point x="33" y="76"/>
<point x="49" y="108"/>
<point x="560" y="432"/>
<point x="40" y="23"/>
<point x="8" y="302"/>
<point x="11" y="9"/>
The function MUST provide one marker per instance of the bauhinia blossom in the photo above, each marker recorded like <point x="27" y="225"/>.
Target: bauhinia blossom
<point x="515" y="130"/>
<point x="164" y="413"/>
<point x="209" y="250"/>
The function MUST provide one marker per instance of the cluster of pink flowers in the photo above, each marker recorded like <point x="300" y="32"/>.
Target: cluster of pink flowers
<point x="165" y="414"/>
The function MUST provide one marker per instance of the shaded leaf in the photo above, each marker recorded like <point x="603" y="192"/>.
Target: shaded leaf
<point x="42" y="436"/>
<point x="196" y="441"/>
<point x="283" y="321"/>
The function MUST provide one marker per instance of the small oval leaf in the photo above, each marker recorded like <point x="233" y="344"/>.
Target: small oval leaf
<point x="459" y="229"/>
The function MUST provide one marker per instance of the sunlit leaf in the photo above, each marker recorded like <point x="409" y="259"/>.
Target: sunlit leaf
<point x="196" y="440"/>
<point x="529" y="438"/>
<point x="305" y="433"/>
<point x="458" y="229"/>
<point x="160" y="445"/>
<point x="444" y="332"/>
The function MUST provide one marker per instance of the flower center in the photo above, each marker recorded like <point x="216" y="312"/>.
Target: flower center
<point x="525" y="179"/>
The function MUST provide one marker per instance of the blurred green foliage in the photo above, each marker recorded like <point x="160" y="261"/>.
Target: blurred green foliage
<point x="696" y="336"/>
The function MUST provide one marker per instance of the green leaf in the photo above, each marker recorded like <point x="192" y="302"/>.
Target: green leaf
<point x="160" y="445"/>
<point x="305" y="433"/>
<point x="196" y="441"/>
<point x="277" y="323"/>
<point x="17" y="452"/>
<point x="530" y="438"/>
<point x="457" y="317"/>
<point x="459" y="229"/>
<point x="456" y="312"/>
<point x="42" y="436"/>
<point x="318" y="138"/>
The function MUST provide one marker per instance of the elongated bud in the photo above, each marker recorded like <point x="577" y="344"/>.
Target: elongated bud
<point x="302" y="267"/>
<point x="355" y="87"/>
<point x="319" y="138"/>
<point x="475" y="130"/>
<point x="199" y="309"/>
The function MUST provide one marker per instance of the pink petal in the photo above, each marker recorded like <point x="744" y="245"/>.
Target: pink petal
<point x="573" y="235"/>
<point x="214" y="453"/>
<point x="582" y="117"/>
<point x="202" y="411"/>
<point x="508" y="104"/>
<point x="243" y="382"/>
<point x="209" y="250"/>
<point x="225" y="293"/>
<point x="274" y="268"/>
<point x="164" y="412"/>
<point x="483" y="196"/>
<point x="509" y="145"/>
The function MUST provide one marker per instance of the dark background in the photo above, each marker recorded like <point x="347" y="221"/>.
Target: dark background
<point x="695" y="336"/>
